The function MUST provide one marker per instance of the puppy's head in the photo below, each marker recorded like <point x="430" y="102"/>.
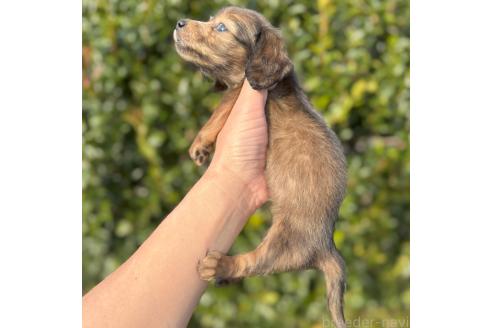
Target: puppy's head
<point x="234" y="44"/>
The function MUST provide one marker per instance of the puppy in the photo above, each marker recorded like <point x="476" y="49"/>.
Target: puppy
<point x="305" y="170"/>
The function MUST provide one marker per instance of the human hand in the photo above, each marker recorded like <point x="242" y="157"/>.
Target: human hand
<point x="240" y="152"/>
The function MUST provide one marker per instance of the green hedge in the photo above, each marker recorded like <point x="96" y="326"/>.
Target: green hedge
<point x="142" y="107"/>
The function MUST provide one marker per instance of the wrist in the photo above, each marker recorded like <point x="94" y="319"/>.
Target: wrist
<point x="248" y="195"/>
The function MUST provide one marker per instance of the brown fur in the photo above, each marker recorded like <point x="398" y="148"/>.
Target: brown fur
<point x="306" y="170"/>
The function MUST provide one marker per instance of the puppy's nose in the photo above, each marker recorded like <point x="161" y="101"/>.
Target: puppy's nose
<point x="181" y="23"/>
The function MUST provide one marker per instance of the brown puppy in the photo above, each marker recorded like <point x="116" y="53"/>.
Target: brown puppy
<point x="305" y="169"/>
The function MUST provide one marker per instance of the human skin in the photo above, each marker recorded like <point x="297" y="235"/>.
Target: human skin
<point x="158" y="286"/>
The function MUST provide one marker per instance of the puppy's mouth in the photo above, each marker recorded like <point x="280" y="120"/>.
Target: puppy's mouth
<point x="181" y="47"/>
<point x="179" y="41"/>
<point x="186" y="51"/>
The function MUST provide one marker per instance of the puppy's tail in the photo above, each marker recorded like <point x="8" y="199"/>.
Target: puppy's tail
<point x="333" y="268"/>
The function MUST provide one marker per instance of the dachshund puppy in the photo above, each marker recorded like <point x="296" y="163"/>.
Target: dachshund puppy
<point x="305" y="170"/>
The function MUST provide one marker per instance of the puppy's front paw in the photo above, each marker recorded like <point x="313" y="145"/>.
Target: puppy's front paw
<point x="200" y="151"/>
<point x="213" y="266"/>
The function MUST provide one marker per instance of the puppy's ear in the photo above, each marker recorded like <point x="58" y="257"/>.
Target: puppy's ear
<point x="268" y="62"/>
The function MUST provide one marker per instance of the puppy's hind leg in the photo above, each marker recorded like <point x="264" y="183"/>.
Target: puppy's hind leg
<point x="278" y="252"/>
<point x="333" y="267"/>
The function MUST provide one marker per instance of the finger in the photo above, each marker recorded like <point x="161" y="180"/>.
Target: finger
<point x="250" y="99"/>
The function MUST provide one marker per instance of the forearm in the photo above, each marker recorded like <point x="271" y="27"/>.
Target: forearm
<point x="159" y="284"/>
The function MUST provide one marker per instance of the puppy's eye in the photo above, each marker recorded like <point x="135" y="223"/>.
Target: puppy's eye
<point x="221" y="27"/>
